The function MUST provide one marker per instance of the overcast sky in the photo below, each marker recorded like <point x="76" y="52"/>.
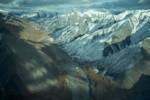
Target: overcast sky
<point x="55" y="3"/>
<point x="49" y="1"/>
<point x="52" y="2"/>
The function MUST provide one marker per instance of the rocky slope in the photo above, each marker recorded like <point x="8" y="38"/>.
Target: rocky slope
<point x="33" y="65"/>
<point x="112" y="41"/>
<point x="94" y="30"/>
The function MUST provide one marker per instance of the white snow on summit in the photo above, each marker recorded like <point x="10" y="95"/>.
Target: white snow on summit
<point x="85" y="34"/>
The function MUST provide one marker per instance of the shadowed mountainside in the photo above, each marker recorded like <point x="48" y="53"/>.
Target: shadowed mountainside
<point x="32" y="67"/>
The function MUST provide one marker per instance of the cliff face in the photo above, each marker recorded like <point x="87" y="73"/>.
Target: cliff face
<point x="33" y="67"/>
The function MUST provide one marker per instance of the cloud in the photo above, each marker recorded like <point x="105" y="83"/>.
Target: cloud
<point x="53" y="2"/>
<point x="56" y="2"/>
<point x="99" y="3"/>
<point x="5" y="1"/>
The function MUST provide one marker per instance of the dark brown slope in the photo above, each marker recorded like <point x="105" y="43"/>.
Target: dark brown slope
<point x="33" y="64"/>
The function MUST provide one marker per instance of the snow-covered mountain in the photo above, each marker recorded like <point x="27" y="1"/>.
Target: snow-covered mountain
<point x="97" y="37"/>
<point x="108" y="40"/>
<point x="74" y="49"/>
